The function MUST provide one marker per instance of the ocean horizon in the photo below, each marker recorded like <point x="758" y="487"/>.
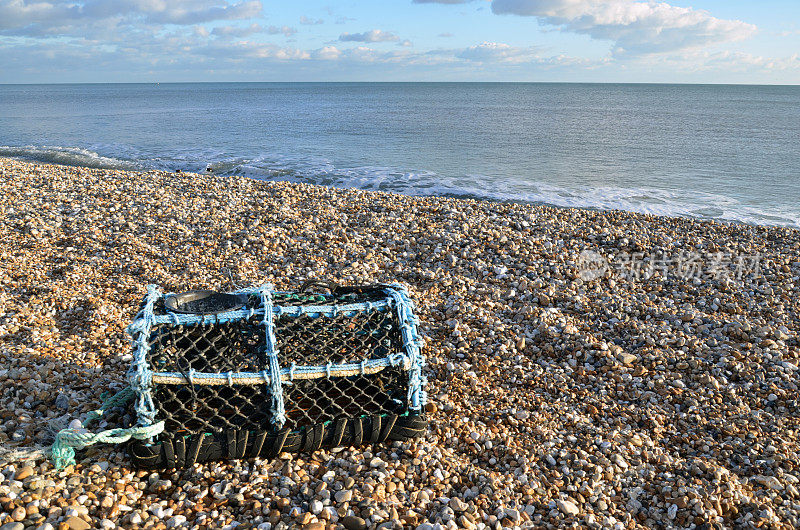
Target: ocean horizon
<point x="723" y="152"/>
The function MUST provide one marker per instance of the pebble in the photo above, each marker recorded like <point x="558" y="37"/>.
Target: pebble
<point x="567" y="507"/>
<point x="352" y="522"/>
<point x="343" y="496"/>
<point x="24" y="473"/>
<point x="76" y="523"/>
<point x="458" y="505"/>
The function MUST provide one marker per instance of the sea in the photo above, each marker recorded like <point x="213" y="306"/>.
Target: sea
<point x="723" y="152"/>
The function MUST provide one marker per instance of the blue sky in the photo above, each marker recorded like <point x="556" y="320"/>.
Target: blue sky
<point x="691" y="41"/>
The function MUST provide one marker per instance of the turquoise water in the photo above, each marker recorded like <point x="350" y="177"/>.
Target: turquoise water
<point x="709" y="151"/>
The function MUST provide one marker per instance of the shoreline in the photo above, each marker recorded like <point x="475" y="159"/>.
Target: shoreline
<point x="680" y="211"/>
<point x="565" y="387"/>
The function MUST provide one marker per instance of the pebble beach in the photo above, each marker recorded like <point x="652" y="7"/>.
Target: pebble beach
<point x="596" y="369"/>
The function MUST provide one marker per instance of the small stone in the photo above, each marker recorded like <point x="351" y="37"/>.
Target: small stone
<point x="458" y="505"/>
<point x="176" y="521"/>
<point x="567" y="507"/>
<point x="522" y="415"/>
<point x="24" y="473"/>
<point x="770" y="482"/>
<point x="343" y="496"/>
<point x="672" y="511"/>
<point x="466" y="523"/>
<point x="62" y="401"/>
<point x="316" y="506"/>
<point x="351" y="522"/>
<point x="76" y="523"/>
<point x="314" y="526"/>
<point x="13" y="526"/>
<point x="627" y="359"/>
<point x="19" y="513"/>
<point x="512" y="514"/>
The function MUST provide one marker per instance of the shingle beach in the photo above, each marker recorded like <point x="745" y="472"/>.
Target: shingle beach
<point x="586" y="369"/>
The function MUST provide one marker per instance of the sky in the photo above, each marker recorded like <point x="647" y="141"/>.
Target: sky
<point x="673" y="41"/>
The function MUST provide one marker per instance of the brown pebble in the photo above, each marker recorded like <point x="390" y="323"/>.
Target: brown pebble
<point x="351" y="522"/>
<point x="76" y="523"/>
<point x="18" y="514"/>
<point x="24" y="473"/>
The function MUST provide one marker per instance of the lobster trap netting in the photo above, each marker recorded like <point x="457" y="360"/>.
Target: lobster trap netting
<point x="293" y="370"/>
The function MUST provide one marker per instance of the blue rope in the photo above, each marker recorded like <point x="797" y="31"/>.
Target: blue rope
<point x="417" y="397"/>
<point x="279" y="414"/>
<point x="139" y="375"/>
<point x="348" y="310"/>
<point x="69" y="440"/>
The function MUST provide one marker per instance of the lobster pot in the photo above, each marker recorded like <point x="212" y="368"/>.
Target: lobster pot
<point x="257" y="373"/>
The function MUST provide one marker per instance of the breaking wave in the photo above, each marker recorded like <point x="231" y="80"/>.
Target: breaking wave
<point x="415" y="182"/>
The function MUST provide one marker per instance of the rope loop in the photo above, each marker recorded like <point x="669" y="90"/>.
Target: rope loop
<point x="68" y="440"/>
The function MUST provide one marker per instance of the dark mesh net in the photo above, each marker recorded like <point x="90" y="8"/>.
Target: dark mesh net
<point x="231" y="347"/>
<point x="197" y="408"/>
<point x="313" y="401"/>
<point x="310" y="341"/>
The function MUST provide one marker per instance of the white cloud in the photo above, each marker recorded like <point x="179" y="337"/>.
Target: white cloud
<point x="635" y="27"/>
<point x="375" y="35"/>
<point x="727" y="61"/>
<point x="285" y="30"/>
<point x="406" y="43"/>
<point x="244" y="31"/>
<point x="495" y="52"/>
<point x="306" y="21"/>
<point x="68" y="17"/>
<point x="327" y="53"/>
<point x="237" y="31"/>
